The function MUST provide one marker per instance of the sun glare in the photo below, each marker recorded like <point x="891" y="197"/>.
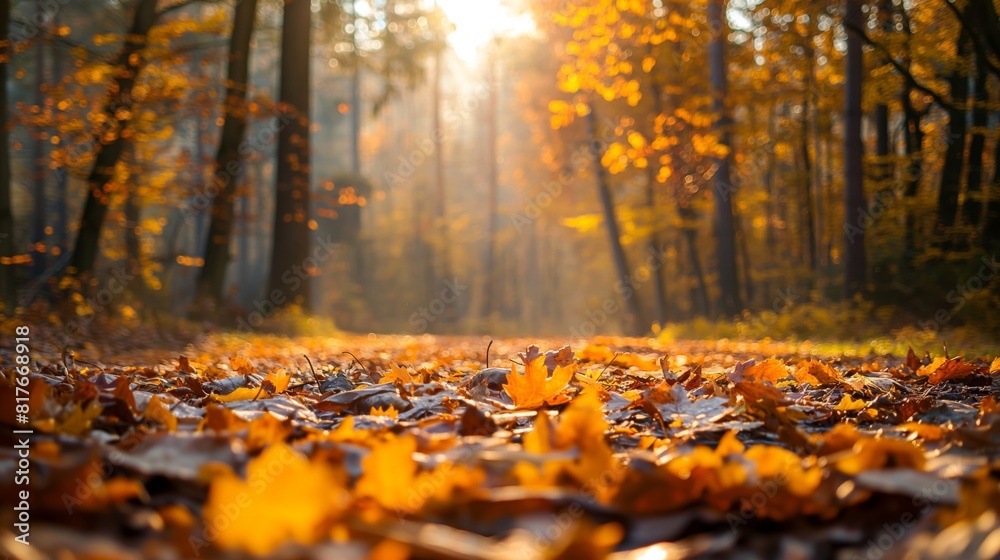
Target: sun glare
<point x="478" y="22"/>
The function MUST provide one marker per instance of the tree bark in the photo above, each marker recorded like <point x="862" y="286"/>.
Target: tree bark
<point x="631" y="304"/>
<point x="914" y="147"/>
<point x="653" y="243"/>
<point x="954" y="158"/>
<point x="972" y="207"/>
<point x="290" y="249"/>
<point x="229" y="162"/>
<point x="854" y="194"/>
<point x="723" y="189"/>
<point x="39" y="168"/>
<point x="490" y="291"/>
<point x="991" y="225"/>
<point x="8" y="291"/>
<point x="112" y="137"/>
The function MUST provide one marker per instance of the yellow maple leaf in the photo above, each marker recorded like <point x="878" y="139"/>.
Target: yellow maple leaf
<point x="267" y="429"/>
<point x="816" y="373"/>
<point x="279" y="380"/>
<point x="241" y="394"/>
<point x="160" y="413"/>
<point x="276" y="503"/>
<point x="847" y="403"/>
<point x="241" y="365"/>
<point x="770" y="370"/>
<point x="995" y="366"/>
<point x="396" y="373"/>
<point x="391" y="412"/>
<point x="532" y="388"/>
<point x="870" y="453"/>
<point x="389" y="471"/>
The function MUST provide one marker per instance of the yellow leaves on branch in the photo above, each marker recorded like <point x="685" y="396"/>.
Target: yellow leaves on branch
<point x="534" y="387"/>
<point x="276" y="503"/>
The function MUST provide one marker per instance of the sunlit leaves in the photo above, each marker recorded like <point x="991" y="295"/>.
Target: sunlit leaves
<point x="274" y="504"/>
<point x="534" y="387"/>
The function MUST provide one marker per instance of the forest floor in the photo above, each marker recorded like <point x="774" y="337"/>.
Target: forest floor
<point x="230" y="446"/>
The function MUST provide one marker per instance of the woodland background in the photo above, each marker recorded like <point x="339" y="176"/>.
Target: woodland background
<point x="779" y="168"/>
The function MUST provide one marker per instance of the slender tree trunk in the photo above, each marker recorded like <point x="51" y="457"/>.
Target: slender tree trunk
<point x="489" y="295"/>
<point x="914" y="146"/>
<point x="972" y="207"/>
<point x="854" y="194"/>
<point x="954" y="158"/>
<point x="770" y="237"/>
<point x="61" y="172"/>
<point x="723" y="190"/>
<point x="687" y="215"/>
<point x="229" y="163"/>
<point x="630" y="304"/>
<point x="355" y="96"/>
<point x="991" y="225"/>
<point x="440" y="195"/>
<point x="39" y="167"/>
<point x="808" y="211"/>
<point x="653" y="243"/>
<point x="112" y="137"/>
<point x="8" y="291"/>
<point x="133" y="251"/>
<point x="290" y="249"/>
<point x="809" y="207"/>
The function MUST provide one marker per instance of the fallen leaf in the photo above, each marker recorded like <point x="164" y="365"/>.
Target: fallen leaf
<point x="533" y="388"/>
<point x="276" y="503"/>
<point x="847" y="403"/>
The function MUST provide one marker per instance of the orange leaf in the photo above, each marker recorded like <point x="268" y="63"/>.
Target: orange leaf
<point x="532" y="388"/>
<point x="160" y="413"/>
<point x="276" y="503"/>
<point x="770" y="370"/>
<point x="847" y="403"/>
<point x="816" y="373"/>
<point x="396" y="374"/>
<point x="954" y="368"/>
<point x="241" y="365"/>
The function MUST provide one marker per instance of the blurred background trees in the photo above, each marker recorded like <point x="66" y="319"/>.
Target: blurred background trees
<point x="517" y="166"/>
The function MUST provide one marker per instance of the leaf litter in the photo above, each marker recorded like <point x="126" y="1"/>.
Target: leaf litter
<point x="621" y="448"/>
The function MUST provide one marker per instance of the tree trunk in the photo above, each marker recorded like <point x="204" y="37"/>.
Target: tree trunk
<point x="229" y="161"/>
<point x="630" y="304"/>
<point x="290" y="249"/>
<point x="112" y="137"/>
<point x="954" y="158"/>
<point x="854" y="194"/>
<point x="808" y="213"/>
<point x="8" y="291"/>
<point x="687" y="215"/>
<point x="39" y="168"/>
<point x="991" y="226"/>
<point x="653" y="243"/>
<point x="914" y="146"/>
<point x="489" y="292"/>
<point x="972" y="207"/>
<point x="440" y="196"/>
<point x="723" y="190"/>
<point x="355" y="96"/>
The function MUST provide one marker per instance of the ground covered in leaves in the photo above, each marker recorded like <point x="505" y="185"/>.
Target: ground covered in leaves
<point x="415" y="447"/>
